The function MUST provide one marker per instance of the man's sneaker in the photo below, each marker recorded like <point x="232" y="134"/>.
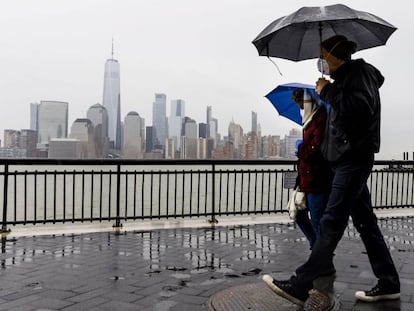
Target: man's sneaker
<point x="378" y="293"/>
<point x="285" y="289"/>
<point x="320" y="301"/>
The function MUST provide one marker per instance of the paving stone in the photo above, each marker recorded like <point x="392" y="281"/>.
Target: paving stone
<point x="86" y="304"/>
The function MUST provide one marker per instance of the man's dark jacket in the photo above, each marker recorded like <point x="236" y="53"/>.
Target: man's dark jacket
<point x="352" y="131"/>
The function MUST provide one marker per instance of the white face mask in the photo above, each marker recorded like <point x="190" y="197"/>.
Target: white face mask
<point x="323" y="66"/>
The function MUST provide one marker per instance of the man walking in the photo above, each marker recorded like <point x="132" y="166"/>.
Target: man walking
<point x="352" y="136"/>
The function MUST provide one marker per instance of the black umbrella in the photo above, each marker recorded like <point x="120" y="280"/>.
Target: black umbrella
<point x="297" y="36"/>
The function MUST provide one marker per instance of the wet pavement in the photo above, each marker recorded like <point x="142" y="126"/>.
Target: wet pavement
<point x="180" y="269"/>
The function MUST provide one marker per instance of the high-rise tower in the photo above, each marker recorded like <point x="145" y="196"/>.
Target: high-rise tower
<point x="159" y="119"/>
<point x="52" y="121"/>
<point x="209" y="118"/>
<point x="112" y="100"/>
<point x="254" y="122"/>
<point x="175" y="122"/>
<point x="99" y="118"/>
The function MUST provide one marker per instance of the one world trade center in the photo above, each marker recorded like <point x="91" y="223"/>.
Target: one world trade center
<point x="112" y="101"/>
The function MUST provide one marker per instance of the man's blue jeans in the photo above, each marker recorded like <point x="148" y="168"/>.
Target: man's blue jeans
<point x="349" y="197"/>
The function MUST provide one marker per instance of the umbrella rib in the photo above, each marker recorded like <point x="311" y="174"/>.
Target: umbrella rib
<point x="359" y="22"/>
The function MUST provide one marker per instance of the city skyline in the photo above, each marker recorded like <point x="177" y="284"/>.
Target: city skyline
<point x="87" y="137"/>
<point x="198" y="52"/>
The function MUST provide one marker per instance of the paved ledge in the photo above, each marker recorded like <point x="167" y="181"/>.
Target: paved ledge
<point x="182" y="268"/>
<point x="223" y="221"/>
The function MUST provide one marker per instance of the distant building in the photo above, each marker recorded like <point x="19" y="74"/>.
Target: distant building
<point x="189" y="128"/>
<point x="28" y="142"/>
<point x="159" y="119"/>
<point x="235" y="137"/>
<point x="202" y="130"/>
<point x="170" y="149"/>
<point x="64" y="148"/>
<point x="250" y="146"/>
<point x="290" y="143"/>
<point x="24" y="141"/>
<point x="150" y="140"/>
<point x="209" y="118"/>
<point x="189" y="148"/>
<point x="112" y="101"/>
<point x="82" y="130"/>
<point x="175" y="121"/>
<point x="11" y="138"/>
<point x="202" y="148"/>
<point x="271" y="147"/>
<point x="210" y="147"/>
<point x="99" y="118"/>
<point x="12" y="152"/>
<point x="34" y="109"/>
<point x="254" y="122"/>
<point x="133" y="139"/>
<point x="52" y="122"/>
<point x="225" y="152"/>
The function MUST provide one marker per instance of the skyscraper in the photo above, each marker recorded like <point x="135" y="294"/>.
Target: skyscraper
<point x="52" y="121"/>
<point x="82" y="130"/>
<point x="208" y="120"/>
<point x="34" y="108"/>
<point x="254" y="122"/>
<point x="202" y="130"/>
<point x="112" y="100"/>
<point x="133" y="142"/>
<point x="159" y="119"/>
<point x="175" y="121"/>
<point x="99" y="118"/>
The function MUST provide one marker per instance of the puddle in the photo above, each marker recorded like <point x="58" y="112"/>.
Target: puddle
<point x="181" y="276"/>
<point x="212" y="282"/>
<point x="164" y="305"/>
<point x="253" y="271"/>
<point x="169" y="291"/>
<point x="174" y="268"/>
<point x="117" y="278"/>
<point x="225" y="270"/>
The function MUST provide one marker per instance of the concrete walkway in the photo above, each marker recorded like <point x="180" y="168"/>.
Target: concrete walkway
<point x="180" y="269"/>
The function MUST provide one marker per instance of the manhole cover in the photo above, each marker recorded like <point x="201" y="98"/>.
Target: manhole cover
<point x="249" y="297"/>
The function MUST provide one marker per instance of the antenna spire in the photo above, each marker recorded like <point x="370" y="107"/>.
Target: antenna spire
<point x="112" y="52"/>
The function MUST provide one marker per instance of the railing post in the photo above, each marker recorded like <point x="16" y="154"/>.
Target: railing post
<point x="213" y="219"/>
<point x="117" y="225"/>
<point x="5" y="190"/>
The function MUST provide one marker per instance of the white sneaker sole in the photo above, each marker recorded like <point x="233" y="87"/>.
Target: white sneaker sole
<point x="269" y="281"/>
<point x="361" y="296"/>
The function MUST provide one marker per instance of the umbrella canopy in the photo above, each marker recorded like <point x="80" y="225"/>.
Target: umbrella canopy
<point x="281" y="99"/>
<point x="297" y="36"/>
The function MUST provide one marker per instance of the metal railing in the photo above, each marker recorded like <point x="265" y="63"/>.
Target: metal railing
<point x="60" y="191"/>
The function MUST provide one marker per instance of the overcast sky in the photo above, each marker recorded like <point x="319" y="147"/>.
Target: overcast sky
<point x="198" y="51"/>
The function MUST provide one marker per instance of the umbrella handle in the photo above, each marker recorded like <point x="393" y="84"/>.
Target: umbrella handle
<point x="320" y="42"/>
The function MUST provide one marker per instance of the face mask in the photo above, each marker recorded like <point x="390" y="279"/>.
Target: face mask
<point x="323" y="66"/>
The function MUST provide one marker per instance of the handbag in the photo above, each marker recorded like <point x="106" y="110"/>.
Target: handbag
<point x="297" y="201"/>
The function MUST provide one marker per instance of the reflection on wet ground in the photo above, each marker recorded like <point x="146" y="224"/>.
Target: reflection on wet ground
<point x="166" y="269"/>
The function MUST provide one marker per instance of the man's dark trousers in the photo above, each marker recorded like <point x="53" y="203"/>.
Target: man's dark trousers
<point x="349" y="197"/>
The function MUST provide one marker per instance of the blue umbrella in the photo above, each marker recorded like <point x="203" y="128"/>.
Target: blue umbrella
<point x="281" y="99"/>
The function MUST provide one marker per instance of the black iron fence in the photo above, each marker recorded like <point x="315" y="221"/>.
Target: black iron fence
<point x="60" y="191"/>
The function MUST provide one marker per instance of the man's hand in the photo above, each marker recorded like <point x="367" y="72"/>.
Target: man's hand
<point x="320" y="84"/>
